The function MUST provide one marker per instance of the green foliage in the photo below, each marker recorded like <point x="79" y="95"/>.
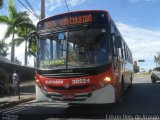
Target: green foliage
<point x="18" y="61"/>
<point x="23" y="32"/>
<point x="15" y="21"/>
<point x="72" y="56"/>
<point x="136" y="69"/>
<point x="157" y="60"/>
<point x="1" y="4"/>
<point x="150" y="71"/>
<point x="33" y="45"/>
<point x="3" y="49"/>
<point x="142" y="75"/>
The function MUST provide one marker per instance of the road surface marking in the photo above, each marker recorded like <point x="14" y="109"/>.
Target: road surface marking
<point x="15" y="109"/>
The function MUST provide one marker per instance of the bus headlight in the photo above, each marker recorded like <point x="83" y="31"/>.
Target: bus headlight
<point x="107" y="79"/>
<point x="37" y="80"/>
<point x="105" y="82"/>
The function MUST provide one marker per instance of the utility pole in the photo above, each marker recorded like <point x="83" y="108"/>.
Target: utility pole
<point x="42" y="9"/>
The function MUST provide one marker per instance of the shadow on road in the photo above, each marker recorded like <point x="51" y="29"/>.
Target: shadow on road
<point x="28" y="89"/>
<point x="141" y="98"/>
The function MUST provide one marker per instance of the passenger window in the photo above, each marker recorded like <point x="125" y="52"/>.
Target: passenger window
<point x="114" y="45"/>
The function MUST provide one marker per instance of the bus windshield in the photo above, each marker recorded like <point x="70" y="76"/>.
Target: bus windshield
<point x="74" y="49"/>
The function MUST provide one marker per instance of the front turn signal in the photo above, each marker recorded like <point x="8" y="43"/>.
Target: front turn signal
<point x="38" y="82"/>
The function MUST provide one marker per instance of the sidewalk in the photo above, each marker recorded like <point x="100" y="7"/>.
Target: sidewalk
<point x="27" y="93"/>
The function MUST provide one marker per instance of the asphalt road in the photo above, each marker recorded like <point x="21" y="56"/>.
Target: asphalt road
<point x="143" y="98"/>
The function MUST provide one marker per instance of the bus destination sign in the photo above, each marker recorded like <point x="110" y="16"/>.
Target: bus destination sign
<point x="68" y="21"/>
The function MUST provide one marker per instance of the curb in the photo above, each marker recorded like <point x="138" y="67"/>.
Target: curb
<point x="16" y="103"/>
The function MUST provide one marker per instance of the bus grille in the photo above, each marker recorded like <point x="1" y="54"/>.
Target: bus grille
<point x="70" y="88"/>
<point x="77" y="97"/>
<point x="65" y="75"/>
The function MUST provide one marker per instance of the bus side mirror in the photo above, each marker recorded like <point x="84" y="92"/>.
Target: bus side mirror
<point x="31" y="40"/>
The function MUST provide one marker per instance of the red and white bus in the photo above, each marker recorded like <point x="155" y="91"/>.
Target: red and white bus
<point x="81" y="58"/>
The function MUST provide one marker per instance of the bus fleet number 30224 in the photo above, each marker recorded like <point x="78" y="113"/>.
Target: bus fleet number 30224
<point x="81" y="81"/>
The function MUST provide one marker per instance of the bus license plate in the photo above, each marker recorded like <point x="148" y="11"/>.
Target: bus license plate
<point x="68" y="96"/>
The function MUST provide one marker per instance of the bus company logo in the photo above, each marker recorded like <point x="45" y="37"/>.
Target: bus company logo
<point x="49" y="82"/>
<point x="66" y="85"/>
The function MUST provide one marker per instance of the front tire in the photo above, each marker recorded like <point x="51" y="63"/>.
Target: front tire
<point x="153" y="80"/>
<point x="131" y="79"/>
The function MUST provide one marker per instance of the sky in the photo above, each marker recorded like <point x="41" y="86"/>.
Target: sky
<point x="137" y="20"/>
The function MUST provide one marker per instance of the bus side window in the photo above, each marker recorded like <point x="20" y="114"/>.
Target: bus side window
<point x="125" y="54"/>
<point x="116" y="39"/>
<point x="129" y="56"/>
<point x="114" y="51"/>
<point x="114" y="45"/>
<point x="120" y="49"/>
<point x="120" y="53"/>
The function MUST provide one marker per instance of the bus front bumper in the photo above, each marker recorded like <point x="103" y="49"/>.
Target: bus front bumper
<point x="101" y="96"/>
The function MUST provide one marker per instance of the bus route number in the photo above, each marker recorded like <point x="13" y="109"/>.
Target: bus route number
<point x="81" y="81"/>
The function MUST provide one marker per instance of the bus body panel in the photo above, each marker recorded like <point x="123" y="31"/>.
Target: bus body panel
<point x="120" y="69"/>
<point x="40" y="96"/>
<point x="99" y="95"/>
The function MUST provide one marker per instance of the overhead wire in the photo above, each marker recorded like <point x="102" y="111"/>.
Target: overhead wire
<point x="70" y="4"/>
<point x="30" y="6"/>
<point x="67" y="5"/>
<point x="28" y="9"/>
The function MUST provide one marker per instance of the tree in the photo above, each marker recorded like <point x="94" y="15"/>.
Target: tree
<point x="1" y="4"/>
<point x="157" y="59"/>
<point x="17" y="61"/>
<point x="33" y="46"/>
<point x="23" y="34"/>
<point x="3" y="48"/>
<point x="136" y="68"/>
<point x="13" y="20"/>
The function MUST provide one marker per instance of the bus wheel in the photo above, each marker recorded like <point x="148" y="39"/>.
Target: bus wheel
<point x="123" y="89"/>
<point x="131" y="79"/>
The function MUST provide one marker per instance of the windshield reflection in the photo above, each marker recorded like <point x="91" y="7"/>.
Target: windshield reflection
<point x="82" y="48"/>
